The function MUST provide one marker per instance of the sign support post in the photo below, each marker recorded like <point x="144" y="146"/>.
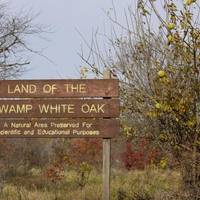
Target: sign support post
<point x="106" y="156"/>
<point x="106" y="168"/>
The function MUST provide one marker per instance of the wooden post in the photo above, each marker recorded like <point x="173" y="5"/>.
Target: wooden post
<point x="106" y="156"/>
<point x="106" y="168"/>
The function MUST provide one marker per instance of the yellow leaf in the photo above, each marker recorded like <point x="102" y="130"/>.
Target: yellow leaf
<point x="171" y="26"/>
<point x="158" y="105"/>
<point x="161" y="73"/>
<point x="189" y="2"/>
<point x="170" y="38"/>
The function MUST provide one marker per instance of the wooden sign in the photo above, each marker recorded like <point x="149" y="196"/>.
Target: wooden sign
<point x="59" y="88"/>
<point x="62" y="108"/>
<point x="99" y="128"/>
<point x="59" y="108"/>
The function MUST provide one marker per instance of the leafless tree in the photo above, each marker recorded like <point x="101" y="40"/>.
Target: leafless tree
<point x="14" y="31"/>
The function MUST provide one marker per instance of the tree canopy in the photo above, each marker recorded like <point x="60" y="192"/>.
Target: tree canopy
<point x="157" y="60"/>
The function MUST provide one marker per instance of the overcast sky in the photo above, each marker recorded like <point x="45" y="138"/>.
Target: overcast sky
<point x="64" y="17"/>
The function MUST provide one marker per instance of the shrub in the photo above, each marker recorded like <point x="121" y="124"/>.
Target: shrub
<point x="140" y="157"/>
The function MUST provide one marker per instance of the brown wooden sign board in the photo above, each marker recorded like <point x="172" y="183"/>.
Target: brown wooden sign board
<point x="59" y="88"/>
<point x="59" y="108"/>
<point x="49" y="112"/>
<point x="41" y="128"/>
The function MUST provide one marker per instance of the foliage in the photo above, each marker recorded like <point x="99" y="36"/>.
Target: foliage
<point x="55" y="172"/>
<point x="86" y="150"/>
<point x="150" y="183"/>
<point x="140" y="157"/>
<point x="84" y="172"/>
<point x="157" y="59"/>
<point x="81" y="155"/>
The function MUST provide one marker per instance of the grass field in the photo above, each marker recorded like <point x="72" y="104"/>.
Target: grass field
<point x="149" y="184"/>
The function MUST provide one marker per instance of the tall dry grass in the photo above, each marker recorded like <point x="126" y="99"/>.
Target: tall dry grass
<point x="150" y="184"/>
